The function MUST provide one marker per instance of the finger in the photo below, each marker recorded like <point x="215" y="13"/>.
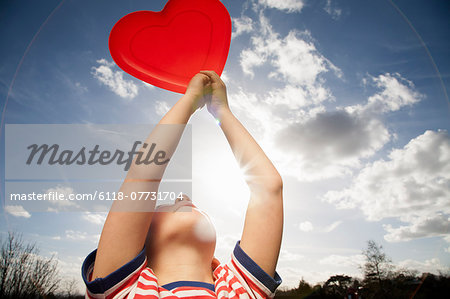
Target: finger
<point x="207" y="85"/>
<point x="206" y="73"/>
<point x="212" y="74"/>
<point x="205" y="78"/>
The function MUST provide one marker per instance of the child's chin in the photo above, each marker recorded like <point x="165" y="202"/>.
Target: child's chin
<point x="204" y="231"/>
<point x="186" y="209"/>
<point x="196" y="226"/>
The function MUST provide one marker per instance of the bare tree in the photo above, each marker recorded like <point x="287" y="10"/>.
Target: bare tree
<point x="69" y="289"/>
<point x="23" y="273"/>
<point x="377" y="268"/>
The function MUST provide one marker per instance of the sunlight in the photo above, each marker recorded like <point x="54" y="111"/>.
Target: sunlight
<point x="219" y="185"/>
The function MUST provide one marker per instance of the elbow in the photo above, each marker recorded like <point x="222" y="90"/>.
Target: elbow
<point x="270" y="185"/>
<point x="276" y="184"/>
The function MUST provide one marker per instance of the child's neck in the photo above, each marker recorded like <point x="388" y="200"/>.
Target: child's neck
<point x="182" y="264"/>
<point x="184" y="273"/>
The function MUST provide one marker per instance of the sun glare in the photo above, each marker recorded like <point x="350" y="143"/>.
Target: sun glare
<point x="219" y="184"/>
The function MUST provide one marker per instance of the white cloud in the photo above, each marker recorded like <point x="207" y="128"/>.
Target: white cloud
<point x="225" y="78"/>
<point x="395" y="93"/>
<point x="293" y="60"/>
<point x="81" y="236"/>
<point x="250" y="59"/>
<point x="285" y="5"/>
<point x="261" y="121"/>
<point x="61" y="205"/>
<point x="242" y="25"/>
<point x="330" y="144"/>
<point x="332" y="10"/>
<point x="339" y="261"/>
<point x="17" y="211"/>
<point x="96" y="218"/>
<point x="447" y="239"/>
<point x="225" y="244"/>
<point x="306" y="226"/>
<point x="433" y="265"/>
<point x="65" y="190"/>
<point x="295" y="97"/>
<point x="436" y="225"/>
<point x="294" y="57"/>
<point x="287" y="256"/>
<point x="412" y="186"/>
<point x="114" y="79"/>
<point x="297" y="60"/>
<point x="161" y="107"/>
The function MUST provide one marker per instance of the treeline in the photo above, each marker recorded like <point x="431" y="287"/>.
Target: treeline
<point x="380" y="281"/>
<point x="26" y="274"/>
<point x="399" y="286"/>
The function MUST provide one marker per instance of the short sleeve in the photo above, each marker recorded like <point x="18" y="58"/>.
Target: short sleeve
<point x="254" y="279"/>
<point x="118" y="281"/>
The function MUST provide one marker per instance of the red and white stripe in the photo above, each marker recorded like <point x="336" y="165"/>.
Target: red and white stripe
<point x="232" y="281"/>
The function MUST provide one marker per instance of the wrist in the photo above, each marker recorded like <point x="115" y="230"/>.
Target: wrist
<point x="191" y="102"/>
<point x="221" y="112"/>
<point x="187" y="102"/>
<point x="191" y="96"/>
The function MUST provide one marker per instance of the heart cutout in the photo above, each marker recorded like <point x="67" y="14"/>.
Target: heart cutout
<point x="168" y="48"/>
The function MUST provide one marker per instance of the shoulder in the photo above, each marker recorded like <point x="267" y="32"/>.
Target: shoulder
<point x="242" y="275"/>
<point x="122" y="280"/>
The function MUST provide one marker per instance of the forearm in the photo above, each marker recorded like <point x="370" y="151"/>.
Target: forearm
<point x="128" y="221"/>
<point x="166" y="136"/>
<point x="259" y="171"/>
<point x="163" y="139"/>
<point x="180" y="112"/>
<point x="263" y="227"/>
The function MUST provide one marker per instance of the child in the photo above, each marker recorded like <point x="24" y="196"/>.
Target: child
<point x="180" y="263"/>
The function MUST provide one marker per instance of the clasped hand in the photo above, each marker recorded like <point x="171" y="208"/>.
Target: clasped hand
<point x="206" y="88"/>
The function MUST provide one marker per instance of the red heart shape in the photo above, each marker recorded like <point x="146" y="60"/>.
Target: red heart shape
<point x="168" y="48"/>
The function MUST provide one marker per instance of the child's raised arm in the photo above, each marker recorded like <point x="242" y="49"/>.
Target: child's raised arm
<point x="125" y="230"/>
<point x="261" y="237"/>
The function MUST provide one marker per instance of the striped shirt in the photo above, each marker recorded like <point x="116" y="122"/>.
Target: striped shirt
<point x="241" y="277"/>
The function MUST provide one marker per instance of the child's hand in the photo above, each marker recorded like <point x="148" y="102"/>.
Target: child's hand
<point x="197" y="89"/>
<point x="218" y="102"/>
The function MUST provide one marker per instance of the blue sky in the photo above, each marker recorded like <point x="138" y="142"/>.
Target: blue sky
<point x="348" y="99"/>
